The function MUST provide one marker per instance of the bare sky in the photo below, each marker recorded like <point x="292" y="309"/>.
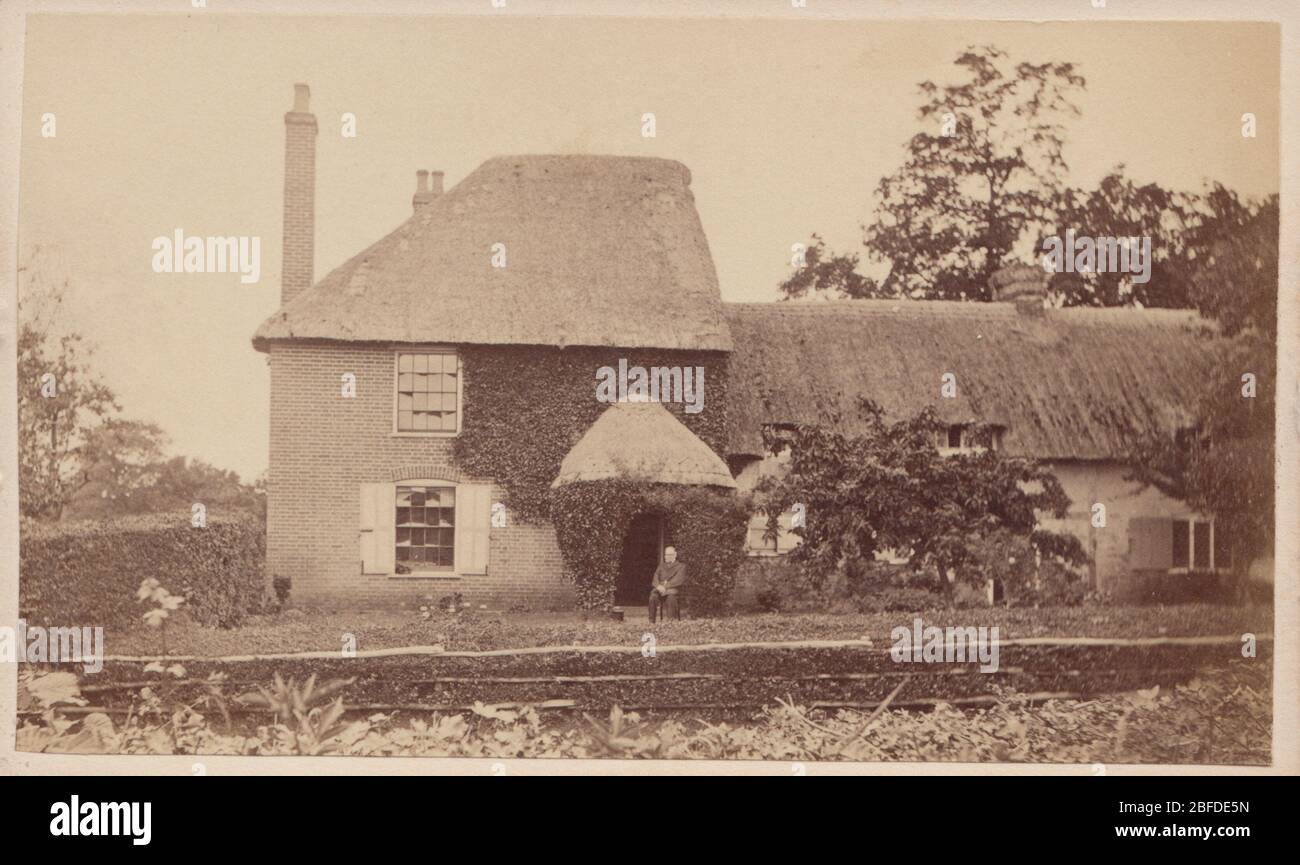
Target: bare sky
<point x="167" y="122"/>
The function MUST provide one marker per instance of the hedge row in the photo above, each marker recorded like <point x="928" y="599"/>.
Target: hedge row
<point x="86" y="573"/>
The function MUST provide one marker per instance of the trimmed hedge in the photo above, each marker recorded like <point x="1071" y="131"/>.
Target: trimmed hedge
<point x="86" y="573"/>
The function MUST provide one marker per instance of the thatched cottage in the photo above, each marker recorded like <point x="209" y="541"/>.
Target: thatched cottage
<point x="428" y="392"/>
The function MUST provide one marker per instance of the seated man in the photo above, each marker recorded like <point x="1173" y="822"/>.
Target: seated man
<point x="668" y="580"/>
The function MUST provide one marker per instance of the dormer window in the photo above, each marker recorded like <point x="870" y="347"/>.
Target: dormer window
<point x="428" y="393"/>
<point x="962" y="438"/>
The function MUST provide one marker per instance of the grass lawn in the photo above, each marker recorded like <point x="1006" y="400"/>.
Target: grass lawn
<point x="324" y="631"/>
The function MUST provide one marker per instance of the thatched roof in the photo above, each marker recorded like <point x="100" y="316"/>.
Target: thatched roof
<point x="600" y="251"/>
<point x="642" y="441"/>
<point x="1066" y="383"/>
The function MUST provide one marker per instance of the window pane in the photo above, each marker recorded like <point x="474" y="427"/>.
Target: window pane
<point x="421" y="363"/>
<point x="418" y="497"/>
<point x="1222" y="555"/>
<point x="449" y="421"/>
<point x="403" y="554"/>
<point x="404" y="382"/>
<point x="954" y="436"/>
<point x="1201" y="543"/>
<point x="403" y="536"/>
<point x="1180" y="543"/>
<point x="403" y="363"/>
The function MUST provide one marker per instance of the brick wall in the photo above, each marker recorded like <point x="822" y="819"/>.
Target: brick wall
<point x="324" y="445"/>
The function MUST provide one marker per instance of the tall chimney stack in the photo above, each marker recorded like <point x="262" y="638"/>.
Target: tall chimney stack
<point x="299" y="196"/>
<point x="424" y="193"/>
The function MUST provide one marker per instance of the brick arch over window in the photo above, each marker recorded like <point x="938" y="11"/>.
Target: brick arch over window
<point x="426" y="473"/>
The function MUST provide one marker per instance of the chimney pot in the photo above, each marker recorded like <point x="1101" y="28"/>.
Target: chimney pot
<point x="1021" y="284"/>
<point x="301" y="99"/>
<point x="423" y="193"/>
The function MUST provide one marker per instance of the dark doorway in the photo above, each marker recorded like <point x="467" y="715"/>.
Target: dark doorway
<point x="642" y="551"/>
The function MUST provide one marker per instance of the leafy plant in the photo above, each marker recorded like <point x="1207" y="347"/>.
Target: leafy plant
<point x="151" y="591"/>
<point x="303" y="711"/>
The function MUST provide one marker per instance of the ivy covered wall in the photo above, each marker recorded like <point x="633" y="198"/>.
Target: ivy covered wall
<point x="526" y="406"/>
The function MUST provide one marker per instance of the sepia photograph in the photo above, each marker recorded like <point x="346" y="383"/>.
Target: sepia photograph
<point x="775" y="387"/>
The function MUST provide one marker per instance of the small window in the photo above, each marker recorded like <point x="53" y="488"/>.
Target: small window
<point x="1201" y="559"/>
<point x="1196" y="546"/>
<point x="756" y="542"/>
<point x="426" y="529"/>
<point x="1222" y="554"/>
<point x="1181" y="543"/>
<point x="956" y="438"/>
<point x="428" y="392"/>
<point x="758" y="545"/>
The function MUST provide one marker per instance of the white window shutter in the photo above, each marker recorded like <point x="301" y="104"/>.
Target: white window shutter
<point x="473" y="521"/>
<point x="785" y="541"/>
<point x="1150" y="543"/>
<point x="377" y="529"/>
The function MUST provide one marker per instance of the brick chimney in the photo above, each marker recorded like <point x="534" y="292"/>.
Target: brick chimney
<point x="299" y="196"/>
<point x="1021" y="284"/>
<point x="426" y="192"/>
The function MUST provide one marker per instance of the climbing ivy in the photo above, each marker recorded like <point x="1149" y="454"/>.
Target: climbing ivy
<point x="706" y="524"/>
<point x="526" y="406"/>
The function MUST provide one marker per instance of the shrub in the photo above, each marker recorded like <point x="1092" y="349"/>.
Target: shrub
<point x="777" y="584"/>
<point x="88" y="572"/>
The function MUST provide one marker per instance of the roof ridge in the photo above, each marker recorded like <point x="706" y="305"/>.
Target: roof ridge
<point x="971" y="308"/>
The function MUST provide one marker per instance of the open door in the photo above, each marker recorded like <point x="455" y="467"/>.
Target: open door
<point x="642" y="552"/>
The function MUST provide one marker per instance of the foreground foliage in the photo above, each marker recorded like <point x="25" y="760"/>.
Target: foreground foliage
<point x="1221" y="716"/>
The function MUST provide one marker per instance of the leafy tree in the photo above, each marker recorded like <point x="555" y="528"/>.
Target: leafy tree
<point x="60" y="403"/>
<point x="129" y="476"/>
<point x="889" y="488"/>
<point x="1222" y="464"/>
<point x="1186" y="230"/>
<point x="983" y="173"/>
<point x="824" y="271"/>
<point x="1120" y="208"/>
<point x="1235" y="281"/>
